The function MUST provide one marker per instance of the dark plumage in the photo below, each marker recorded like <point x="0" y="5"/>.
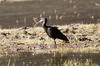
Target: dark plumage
<point x="52" y="32"/>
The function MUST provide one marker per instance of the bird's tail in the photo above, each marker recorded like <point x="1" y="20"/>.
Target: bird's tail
<point x="66" y="40"/>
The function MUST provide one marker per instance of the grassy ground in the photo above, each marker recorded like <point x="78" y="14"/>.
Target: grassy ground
<point x="20" y="39"/>
<point x="83" y="49"/>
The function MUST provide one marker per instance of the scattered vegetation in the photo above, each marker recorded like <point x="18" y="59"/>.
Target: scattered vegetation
<point x="80" y="36"/>
<point x="84" y="43"/>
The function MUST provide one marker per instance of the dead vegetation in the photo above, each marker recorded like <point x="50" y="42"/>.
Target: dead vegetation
<point x="29" y="39"/>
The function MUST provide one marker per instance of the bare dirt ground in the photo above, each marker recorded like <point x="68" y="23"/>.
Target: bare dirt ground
<point x="59" y="12"/>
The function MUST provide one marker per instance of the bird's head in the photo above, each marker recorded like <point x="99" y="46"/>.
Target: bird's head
<point x="42" y="20"/>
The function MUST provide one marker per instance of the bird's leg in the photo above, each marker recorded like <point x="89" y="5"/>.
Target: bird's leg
<point x="55" y="46"/>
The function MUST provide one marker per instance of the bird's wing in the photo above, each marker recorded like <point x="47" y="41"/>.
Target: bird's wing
<point x="53" y="32"/>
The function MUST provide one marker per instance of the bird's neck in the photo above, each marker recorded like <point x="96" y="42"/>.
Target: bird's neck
<point x="44" y="25"/>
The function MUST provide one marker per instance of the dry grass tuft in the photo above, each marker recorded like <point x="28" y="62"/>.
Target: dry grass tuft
<point x="80" y="36"/>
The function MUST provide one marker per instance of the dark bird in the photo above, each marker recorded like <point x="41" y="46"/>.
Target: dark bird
<point x="52" y="32"/>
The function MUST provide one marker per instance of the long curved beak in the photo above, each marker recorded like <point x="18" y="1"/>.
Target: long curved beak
<point x="38" y="23"/>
